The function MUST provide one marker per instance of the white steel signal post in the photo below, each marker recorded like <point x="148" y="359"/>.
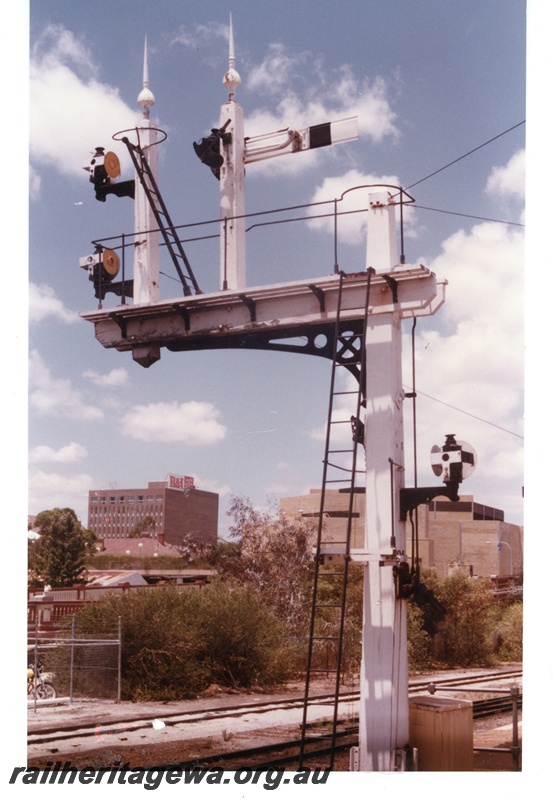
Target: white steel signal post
<point x="269" y="317"/>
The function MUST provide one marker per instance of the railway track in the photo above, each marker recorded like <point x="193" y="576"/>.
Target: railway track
<point x="93" y="732"/>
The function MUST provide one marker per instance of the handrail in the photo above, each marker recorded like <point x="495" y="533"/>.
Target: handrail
<point x="121" y="241"/>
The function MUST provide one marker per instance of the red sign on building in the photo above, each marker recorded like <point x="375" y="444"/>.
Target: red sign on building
<point x="181" y="482"/>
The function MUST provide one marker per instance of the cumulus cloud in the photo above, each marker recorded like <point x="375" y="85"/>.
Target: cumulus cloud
<point x="44" y="303"/>
<point x="509" y="180"/>
<point x="470" y="360"/>
<point x="71" y="110"/>
<point x="116" y="377"/>
<point x="57" y="396"/>
<point x="275" y="71"/>
<point x="53" y="490"/>
<point x="193" y="423"/>
<point x="302" y="93"/>
<point x="200" y="34"/>
<point x="69" y="454"/>
<point x="352" y="227"/>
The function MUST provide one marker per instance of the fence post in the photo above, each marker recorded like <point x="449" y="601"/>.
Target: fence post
<point x="516" y="745"/>
<point x="35" y="659"/>
<point x="119" y="636"/>
<point x="72" y="662"/>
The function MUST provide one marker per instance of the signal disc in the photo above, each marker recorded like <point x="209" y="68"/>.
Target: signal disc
<point x="110" y="262"/>
<point x="112" y="165"/>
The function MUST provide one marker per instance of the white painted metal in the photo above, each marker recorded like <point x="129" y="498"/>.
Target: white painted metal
<point x="384" y="709"/>
<point x="278" y="307"/>
<point x="280" y="143"/>
<point x="232" y="204"/>
<point x="146" y="251"/>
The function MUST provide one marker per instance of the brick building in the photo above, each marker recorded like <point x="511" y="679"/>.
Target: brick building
<point x="165" y="510"/>
<point x="465" y="535"/>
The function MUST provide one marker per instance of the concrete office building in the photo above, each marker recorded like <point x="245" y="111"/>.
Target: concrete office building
<point x="465" y="534"/>
<point x="174" y="508"/>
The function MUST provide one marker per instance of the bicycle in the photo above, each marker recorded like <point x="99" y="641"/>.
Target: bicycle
<point x="39" y="686"/>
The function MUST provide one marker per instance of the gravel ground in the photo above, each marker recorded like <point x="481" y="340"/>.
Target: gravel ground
<point x="488" y="732"/>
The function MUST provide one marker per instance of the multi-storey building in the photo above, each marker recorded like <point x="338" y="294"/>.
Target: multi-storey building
<point x="167" y="510"/>
<point x="465" y="534"/>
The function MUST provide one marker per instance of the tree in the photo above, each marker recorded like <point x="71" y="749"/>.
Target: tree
<point x="276" y="557"/>
<point x="58" y="556"/>
<point x="143" y="526"/>
<point x="466" y="631"/>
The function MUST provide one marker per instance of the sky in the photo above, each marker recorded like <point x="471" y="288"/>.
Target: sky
<point x="427" y="89"/>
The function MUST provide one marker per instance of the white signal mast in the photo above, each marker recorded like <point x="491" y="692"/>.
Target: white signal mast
<point x="237" y="151"/>
<point x="146" y="251"/>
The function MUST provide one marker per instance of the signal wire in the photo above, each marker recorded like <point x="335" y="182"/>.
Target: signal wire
<point x="468" y="414"/>
<point x="470" y="152"/>
<point x="469" y="216"/>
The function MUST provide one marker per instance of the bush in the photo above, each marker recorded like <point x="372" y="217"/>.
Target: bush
<point x="419" y="641"/>
<point x="176" y="643"/>
<point x="465" y="635"/>
<point x="510" y="633"/>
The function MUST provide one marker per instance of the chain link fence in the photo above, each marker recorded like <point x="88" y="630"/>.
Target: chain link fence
<point x="78" y="665"/>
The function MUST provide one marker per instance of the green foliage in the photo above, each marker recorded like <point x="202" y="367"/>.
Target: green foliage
<point x="241" y="641"/>
<point x="176" y="643"/>
<point x="58" y="557"/>
<point x="465" y="635"/>
<point x="142" y="527"/>
<point x="274" y="556"/>
<point x="509" y="632"/>
<point x="419" y="641"/>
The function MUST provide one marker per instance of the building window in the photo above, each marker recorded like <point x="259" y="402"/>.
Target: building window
<point x="130" y="498"/>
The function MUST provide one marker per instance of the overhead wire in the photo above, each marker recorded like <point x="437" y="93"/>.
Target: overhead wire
<point x="468" y="414"/>
<point x="469" y="216"/>
<point x="469" y="153"/>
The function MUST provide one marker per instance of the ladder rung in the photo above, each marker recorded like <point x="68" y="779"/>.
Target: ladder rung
<point x="328" y="605"/>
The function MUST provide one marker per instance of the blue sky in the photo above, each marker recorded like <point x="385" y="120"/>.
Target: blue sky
<point x="429" y="80"/>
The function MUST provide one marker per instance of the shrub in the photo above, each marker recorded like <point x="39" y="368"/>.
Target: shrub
<point x="419" y="642"/>
<point x="176" y="643"/>
<point x="510" y="633"/>
<point x="465" y="635"/>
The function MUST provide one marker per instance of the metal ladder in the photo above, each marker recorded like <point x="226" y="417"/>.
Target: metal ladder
<point x="349" y="353"/>
<point x="161" y="214"/>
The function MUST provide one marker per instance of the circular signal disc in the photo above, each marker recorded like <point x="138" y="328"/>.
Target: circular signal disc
<point x="110" y="261"/>
<point x="435" y="460"/>
<point x="468" y="469"/>
<point x="112" y="165"/>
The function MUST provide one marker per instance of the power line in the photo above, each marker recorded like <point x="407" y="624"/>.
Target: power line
<point x="468" y="414"/>
<point x="469" y="216"/>
<point x="470" y="152"/>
